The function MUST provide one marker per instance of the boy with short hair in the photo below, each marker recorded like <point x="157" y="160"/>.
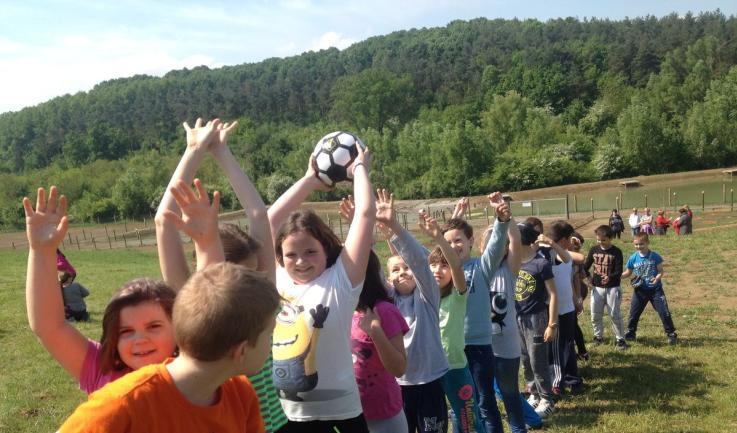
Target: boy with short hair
<point x="223" y="319"/>
<point x="647" y="266"/>
<point x="478" y="272"/>
<point x="606" y="291"/>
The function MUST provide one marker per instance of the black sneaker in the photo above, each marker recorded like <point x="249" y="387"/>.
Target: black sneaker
<point x="622" y="345"/>
<point x="630" y="336"/>
<point x="597" y="341"/>
<point x="672" y="338"/>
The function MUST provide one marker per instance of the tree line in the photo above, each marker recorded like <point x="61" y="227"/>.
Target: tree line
<point x="463" y="109"/>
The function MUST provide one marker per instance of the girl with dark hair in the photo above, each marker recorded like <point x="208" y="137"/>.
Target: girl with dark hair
<point x="137" y="327"/>
<point x="320" y="281"/>
<point x="377" y="342"/>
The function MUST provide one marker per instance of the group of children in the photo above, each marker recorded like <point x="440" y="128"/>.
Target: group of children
<point x="330" y="343"/>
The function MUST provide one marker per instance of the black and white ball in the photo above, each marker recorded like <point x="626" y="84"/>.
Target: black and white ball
<point x="334" y="154"/>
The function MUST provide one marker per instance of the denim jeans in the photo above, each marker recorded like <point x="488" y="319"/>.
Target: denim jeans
<point x="535" y="362"/>
<point x="481" y="362"/>
<point x="506" y="374"/>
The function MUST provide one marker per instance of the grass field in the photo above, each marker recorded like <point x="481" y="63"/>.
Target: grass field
<point x="651" y="387"/>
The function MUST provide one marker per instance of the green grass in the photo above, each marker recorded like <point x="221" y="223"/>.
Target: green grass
<point x="651" y="387"/>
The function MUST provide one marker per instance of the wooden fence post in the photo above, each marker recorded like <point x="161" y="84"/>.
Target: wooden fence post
<point x="592" y="207"/>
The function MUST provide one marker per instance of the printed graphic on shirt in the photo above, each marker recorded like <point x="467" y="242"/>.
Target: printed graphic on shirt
<point x="294" y="348"/>
<point x="525" y="286"/>
<point x="603" y="266"/>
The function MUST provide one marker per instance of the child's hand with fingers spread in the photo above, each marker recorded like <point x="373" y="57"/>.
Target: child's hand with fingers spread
<point x="429" y="226"/>
<point x="385" y="208"/>
<point x="199" y="218"/>
<point x="47" y="225"/>
<point x="199" y="137"/>
<point x="347" y="208"/>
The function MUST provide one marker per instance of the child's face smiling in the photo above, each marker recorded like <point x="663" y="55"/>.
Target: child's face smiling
<point x="401" y="276"/>
<point x="641" y="246"/>
<point x="304" y="257"/>
<point x="145" y="335"/>
<point x="460" y="243"/>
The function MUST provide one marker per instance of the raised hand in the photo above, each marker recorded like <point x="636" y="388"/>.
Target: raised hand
<point x="199" y="137"/>
<point x="501" y="207"/>
<point x="365" y="158"/>
<point x="47" y="225"/>
<point x="385" y="207"/>
<point x="347" y="208"/>
<point x="461" y="208"/>
<point x="199" y="218"/>
<point x="429" y="226"/>
<point x="311" y="175"/>
<point x="220" y="136"/>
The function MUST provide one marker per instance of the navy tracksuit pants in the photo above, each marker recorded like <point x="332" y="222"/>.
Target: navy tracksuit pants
<point x="656" y="297"/>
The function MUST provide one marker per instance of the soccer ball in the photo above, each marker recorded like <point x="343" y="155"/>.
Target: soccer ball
<point x="334" y="154"/>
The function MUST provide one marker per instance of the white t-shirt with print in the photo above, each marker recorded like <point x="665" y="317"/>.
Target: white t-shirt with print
<point x="331" y="393"/>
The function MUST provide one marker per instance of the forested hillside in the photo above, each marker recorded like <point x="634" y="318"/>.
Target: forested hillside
<point x="473" y="106"/>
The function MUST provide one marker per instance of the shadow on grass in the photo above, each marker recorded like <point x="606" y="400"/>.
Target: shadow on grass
<point x="624" y="383"/>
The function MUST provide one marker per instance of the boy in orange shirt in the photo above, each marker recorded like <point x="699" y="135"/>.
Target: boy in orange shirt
<point x="223" y="319"/>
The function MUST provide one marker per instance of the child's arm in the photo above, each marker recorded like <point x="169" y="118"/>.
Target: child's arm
<point x="514" y="257"/>
<point x="290" y="200"/>
<point x="360" y="235"/>
<point x="589" y="260"/>
<point x="461" y="208"/>
<point x="407" y="247"/>
<point x="430" y="227"/>
<point x="618" y="265"/>
<point x="45" y="229"/>
<point x="552" y="311"/>
<point x="629" y="267"/>
<point x="249" y="198"/>
<point x="562" y="253"/>
<point x="659" y="275"/>
<point x="172" y="261"/>
<point x="391" y="350"/>
<point x="199" y="221"/>
<point x="83" y="291"/>
<point x="494" y="250"/>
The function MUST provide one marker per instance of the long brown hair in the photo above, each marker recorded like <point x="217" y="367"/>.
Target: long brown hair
<point x="132" y="293"/>
<point x="307" y="221"/>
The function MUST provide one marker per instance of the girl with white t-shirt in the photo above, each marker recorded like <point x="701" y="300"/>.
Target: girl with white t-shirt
<point x="320" y="281"/>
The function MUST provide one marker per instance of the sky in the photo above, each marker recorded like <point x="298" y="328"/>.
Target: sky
<point x="54" y="47"/>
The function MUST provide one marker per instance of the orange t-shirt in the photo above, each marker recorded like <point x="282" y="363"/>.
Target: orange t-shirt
<point x="147" y="400"/>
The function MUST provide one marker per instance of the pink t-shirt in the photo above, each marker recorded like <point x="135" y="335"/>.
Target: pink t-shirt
<point x="381" y="396"/>
<point x="90" y="378"/>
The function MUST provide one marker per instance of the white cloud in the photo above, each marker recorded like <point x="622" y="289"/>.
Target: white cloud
<point x="331" y="39"/>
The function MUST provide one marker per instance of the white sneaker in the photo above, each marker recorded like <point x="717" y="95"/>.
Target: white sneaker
<point x="533" y="400"/>
<point x="544" y="408"/>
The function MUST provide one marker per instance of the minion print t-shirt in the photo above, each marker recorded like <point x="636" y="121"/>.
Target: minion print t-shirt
<point x="313" y="368"/>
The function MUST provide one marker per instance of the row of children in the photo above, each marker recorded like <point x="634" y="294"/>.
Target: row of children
<point x="172" y="353"/>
